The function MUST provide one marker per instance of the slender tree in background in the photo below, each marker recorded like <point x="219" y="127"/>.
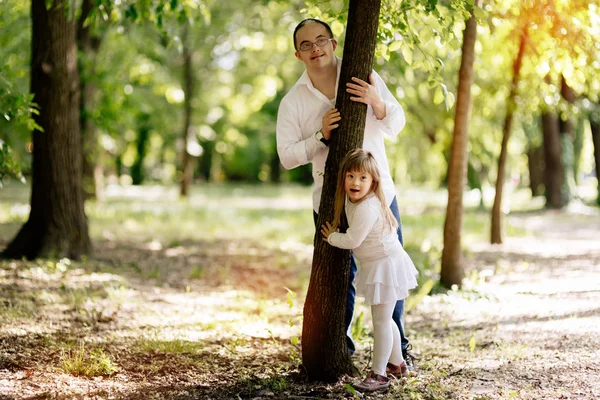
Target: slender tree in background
<point x="496" y="236"/>
<point x="57" y="224"/>
<point x="325" y="355"/>
<point x="452" y="271"/>
<point x="567" y="125"/>
<point x="595" y="130"/>
<point x="188" y="90"/>
<point x="143" y="137"/>
<point x="88" y="43"/>
<point x="552" y="152"/>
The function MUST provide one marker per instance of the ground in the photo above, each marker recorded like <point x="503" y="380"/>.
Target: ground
<point x="218" y="319"/>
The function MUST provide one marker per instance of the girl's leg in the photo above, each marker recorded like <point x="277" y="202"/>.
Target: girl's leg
<point x="396" y="356"/>
<point x="383" y="336"/>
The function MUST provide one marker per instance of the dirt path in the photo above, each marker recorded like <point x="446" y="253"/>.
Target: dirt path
<point x="531" y="330"/>
<point x="190" y="323"/>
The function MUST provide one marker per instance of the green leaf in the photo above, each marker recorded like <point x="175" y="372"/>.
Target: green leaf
<point x="449" y="100"/>
<point x="407" y="55"/>
<point x="294" y="340"/>
<point x="438" y="96"/>
<point x="337" y="28"/>
<point x="395" y="45"/>
<point x="351" y="390"/>
<point x="479" y="14"/>
<point x="472" y="344"/>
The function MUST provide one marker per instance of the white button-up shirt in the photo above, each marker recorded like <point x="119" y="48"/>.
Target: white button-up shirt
<point x="300" y="117"/>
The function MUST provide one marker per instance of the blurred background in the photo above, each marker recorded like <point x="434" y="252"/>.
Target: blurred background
<point x="197" y="90"/>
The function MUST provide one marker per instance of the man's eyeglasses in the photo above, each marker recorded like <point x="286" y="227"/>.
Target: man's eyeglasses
<point x="306" y="46"/>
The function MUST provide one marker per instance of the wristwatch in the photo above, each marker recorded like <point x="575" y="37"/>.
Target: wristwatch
<point x="320" y="137"/>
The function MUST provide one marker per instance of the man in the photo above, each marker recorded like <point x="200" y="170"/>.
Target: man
<point x="307" y="117"/>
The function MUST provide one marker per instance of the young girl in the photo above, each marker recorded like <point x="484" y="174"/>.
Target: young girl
<point x="386" y="272"/>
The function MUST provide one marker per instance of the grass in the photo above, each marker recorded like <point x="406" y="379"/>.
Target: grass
<point x="90" y="363"/>
<point x="192" y="294"/>
<point x="173" y="346"/>
<point x="276" y="215"/>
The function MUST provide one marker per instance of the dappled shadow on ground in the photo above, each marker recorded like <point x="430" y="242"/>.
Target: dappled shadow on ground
<point x="527" y="324"/>
<point x="213" y="320"/>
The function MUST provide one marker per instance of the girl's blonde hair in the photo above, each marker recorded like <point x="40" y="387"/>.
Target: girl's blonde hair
<point x="361" y="161"/>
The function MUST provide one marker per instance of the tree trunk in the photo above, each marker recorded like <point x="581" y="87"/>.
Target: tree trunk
<point x="188" y="89"/>
<point x="595" y="128"/>
<point x="88" y="45"/>
<point x="496" y="234"/>
<point x="552" y="151"/>
<point x="137" y="169"/>
<point x="452" y="270"/>
<point x="535" y="163"/>
<point x="325" y="355"/>
<point x="567" y="135"/>
<point x="57" y="224"/>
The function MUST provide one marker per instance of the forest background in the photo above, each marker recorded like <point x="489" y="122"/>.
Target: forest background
<point x="177" y="120"/>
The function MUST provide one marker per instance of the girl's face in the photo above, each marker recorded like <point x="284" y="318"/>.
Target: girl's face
<point x="357" y="185"/>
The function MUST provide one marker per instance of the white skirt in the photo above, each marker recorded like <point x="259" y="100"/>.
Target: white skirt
<point x="387" y="279"/>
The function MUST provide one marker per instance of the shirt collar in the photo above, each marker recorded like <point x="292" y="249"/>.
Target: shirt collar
<point x="305" y="79"/>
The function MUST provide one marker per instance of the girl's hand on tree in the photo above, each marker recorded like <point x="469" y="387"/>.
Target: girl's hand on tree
<point x="329" y="122"/>
<point x="327" y="230"/>
<point x="367" y="93"/>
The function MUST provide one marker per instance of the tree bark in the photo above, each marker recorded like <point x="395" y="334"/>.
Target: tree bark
<point x="496" y="231"/>
<point x="535" y="164"/>
<point x="325" y="354"/>
<point x="188" y="89"/>
<point x="137" y="169"/>
<point x="552" y="150"/>
<point x="452" y="270"/>
<point x="567" y="135"/>
<point x="89" y="46"/>
<point x="595" y="128"/>
<point x="57" y="224"/>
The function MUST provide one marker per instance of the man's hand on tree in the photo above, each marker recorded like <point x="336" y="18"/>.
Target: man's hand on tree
<point x="329" y="121"/>
<point x="367" y="93"/>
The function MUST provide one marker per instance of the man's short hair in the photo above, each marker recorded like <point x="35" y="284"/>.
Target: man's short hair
<point x="307" y="20"/>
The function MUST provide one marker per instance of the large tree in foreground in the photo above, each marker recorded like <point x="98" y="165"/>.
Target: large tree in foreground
<point x="57" y="224"/>
<point x="452" y="271"/>
<point x="324" y="352"/>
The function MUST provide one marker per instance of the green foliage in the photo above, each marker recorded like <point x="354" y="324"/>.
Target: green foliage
<point x="17" y="107"/>
<point x="8" y="166"/>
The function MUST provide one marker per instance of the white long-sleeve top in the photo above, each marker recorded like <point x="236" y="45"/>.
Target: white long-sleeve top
<point x="368" y="235"/>
<point x="300" y="117"/>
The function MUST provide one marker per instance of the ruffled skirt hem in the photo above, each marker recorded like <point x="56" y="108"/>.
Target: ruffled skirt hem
<point x="386" y="280"/>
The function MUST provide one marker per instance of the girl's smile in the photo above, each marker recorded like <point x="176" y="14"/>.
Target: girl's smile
<point x="357" y="185"/>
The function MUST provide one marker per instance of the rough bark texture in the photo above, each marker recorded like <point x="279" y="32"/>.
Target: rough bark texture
<point x="452" y="270"/>
<point x="324" y="352"/>
<point x="496" y="234"/>
<point x="552" y="151"/>
<point x="595" y="125"/>
<point x="57" y="224"/>
<point x="188" y="89"/>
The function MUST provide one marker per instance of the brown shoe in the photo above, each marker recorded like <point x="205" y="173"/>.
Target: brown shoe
<point x="399" y="371"/>
<point x="373" y="382"/>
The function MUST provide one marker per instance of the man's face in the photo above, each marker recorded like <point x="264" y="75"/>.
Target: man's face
<point x="316" y="56"/>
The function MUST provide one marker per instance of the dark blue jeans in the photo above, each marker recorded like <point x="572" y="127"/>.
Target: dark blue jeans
<point x="398" y="315"/>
